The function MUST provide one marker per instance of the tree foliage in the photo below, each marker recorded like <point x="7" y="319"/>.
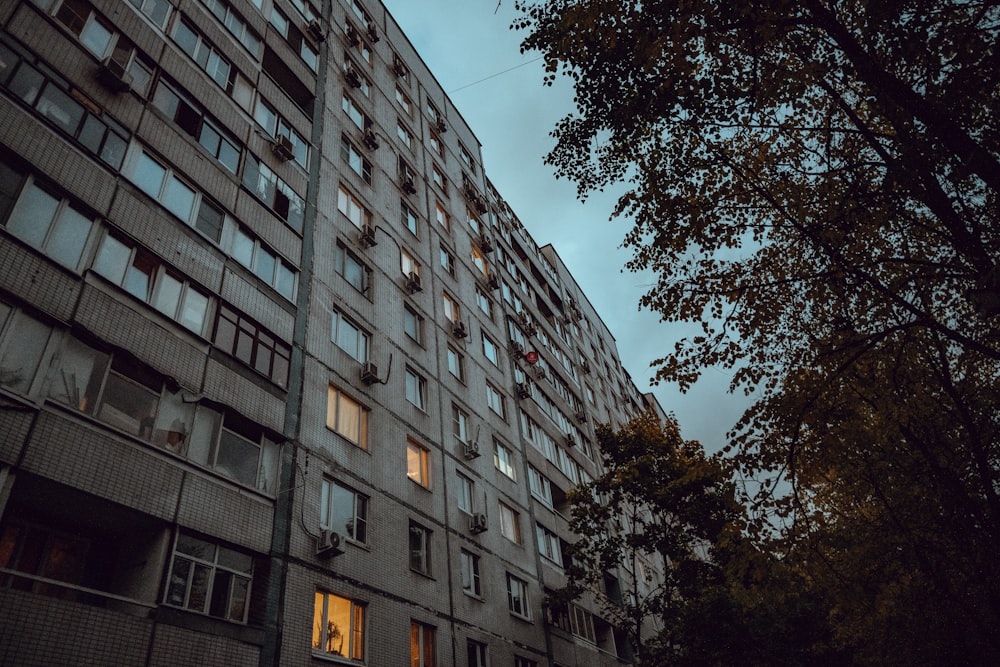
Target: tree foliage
<point x="816" y="182"/>
<point x="694" y="590"/>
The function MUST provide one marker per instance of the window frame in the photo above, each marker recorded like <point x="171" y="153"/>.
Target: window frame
<point x="471" y="574"/>
<point x="334" y="414"/>
<point x="356" y="527"/>
<point x="510" y="523"/>
<point x="416" y="389"/>
<point x="217" y="564"/>
<point x="419" y="548"/>
<point x="356" y="612"/>
<point x="418" y="463"/>
<point x="518" y="602"/>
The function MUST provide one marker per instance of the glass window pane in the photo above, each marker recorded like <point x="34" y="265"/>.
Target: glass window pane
<point x="148" y="175"/>
<point x="96" y="37"/>
<point x="112" y="259"/>
<point x="66" y="242"/>
<point x="24" y="344"/>
<point x="26" y="83"/>
<point x="238" y="458"/>
<point x="33" y="215"/>
<point x="128" y="406"/>
<point x="194" y="310"/>
<point x="265" y="266"/>
<point x="81" y="372"/>
<point x="179" y="199"/>
<point x="168" y="294"/>
<point x="60" y="108"/>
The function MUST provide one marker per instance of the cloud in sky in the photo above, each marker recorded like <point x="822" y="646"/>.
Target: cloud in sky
<point x="468" y="46"/>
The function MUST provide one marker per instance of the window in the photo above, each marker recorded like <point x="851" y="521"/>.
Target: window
<point x="510" y="523"/>
<point x="357" y="116"/>
<point x="541" y="487"/>
<point x="349" y="337"/>
<point x="418" y="463"/>
<point x="233" y="22"/>
<point x="460" y="423"/>
<point x="338" y="626"/>
<point x="517" y="597"/>
<point x="436" y="145"/>
<point x="471" y="583"/>
<point x="473" y="220"/>
<point x="273" y="192"/>
<point x="548" y="544"/>
<point x="408" y="217"/>
<point x="456" y="363"/>
<point x="93" y="31"/>
<point x="22" y="345"/>
<point x="235" y="334"/>
<point x="191" y="118"/>
<point x="407" y="264"/>
<point x="433" y="113"/>
<point x="276" y="126"/>
<point x="48" y="96"/>
<point x="404" y="135"/>
<point x="208" y="58"/>
<point x="295" y="38"/>
<point x="503" y="459"/>
<point x="358" y="44"/>
<point x="358" y="164"/>
<point x="347" y="417"/>
<point x="51" y="225"/>
<point x="421" y="645"/>
<point x="582" y="623"/>
<point x="420" y="549"/>
<point x="352" y="209"/>
<point x="464" y="494"/>
<point x="438" y="178"/>
<point x="344" y="510"/>
<point x="416" y="389"/>
<point x="352" y="269"/>
<point x="404" y="101"/>
<point x="407" y="177"/>
<point x="354" y="76"/>
<point x="263" y="262"/>
<point x="447" y="261"/>
<point x="209" y="579"/>
<point x="496" y="401"/>
<point x="442" y="217"/>
<point x="524" y="662"/>
<point x="476" y="653"/>
<point x="466" y="158"/>
<point x="490" y="350"/>
<point x="484" y="302"/>
<point x="142" y="275"/>
<point x="413" y="324"/>
<point x="479" y="261"/>
<point x="451" y="309"/>
<point x="161" y="184"/>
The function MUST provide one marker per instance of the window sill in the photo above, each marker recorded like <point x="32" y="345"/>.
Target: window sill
<point x="336" y="659"/>
<point x="520" y="617"/>
<point x="423" y="574"/>
<point x="477" y="598"/>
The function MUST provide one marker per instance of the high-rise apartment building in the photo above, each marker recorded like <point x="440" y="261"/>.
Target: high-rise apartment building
<point x="283" y="379"/>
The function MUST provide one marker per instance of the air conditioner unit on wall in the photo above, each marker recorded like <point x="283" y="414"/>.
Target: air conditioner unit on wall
<point x="478" y="523"/>
<point x="315" y="31"/>
<point x="328" y="544"/>
<point x="459" y="330"/>
<point x="523" y="390"/>
<point x="413" y="282"/>
<point x="367" y="236"/>
<point x="369" y="373"/>
<point x="114" y="76"/>
<point x="470" y="449"/>
<point x="282" y="147"/>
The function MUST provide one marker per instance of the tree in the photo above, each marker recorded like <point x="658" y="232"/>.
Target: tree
<point x="696" y="592"/>
<point x="816" y="182"/>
